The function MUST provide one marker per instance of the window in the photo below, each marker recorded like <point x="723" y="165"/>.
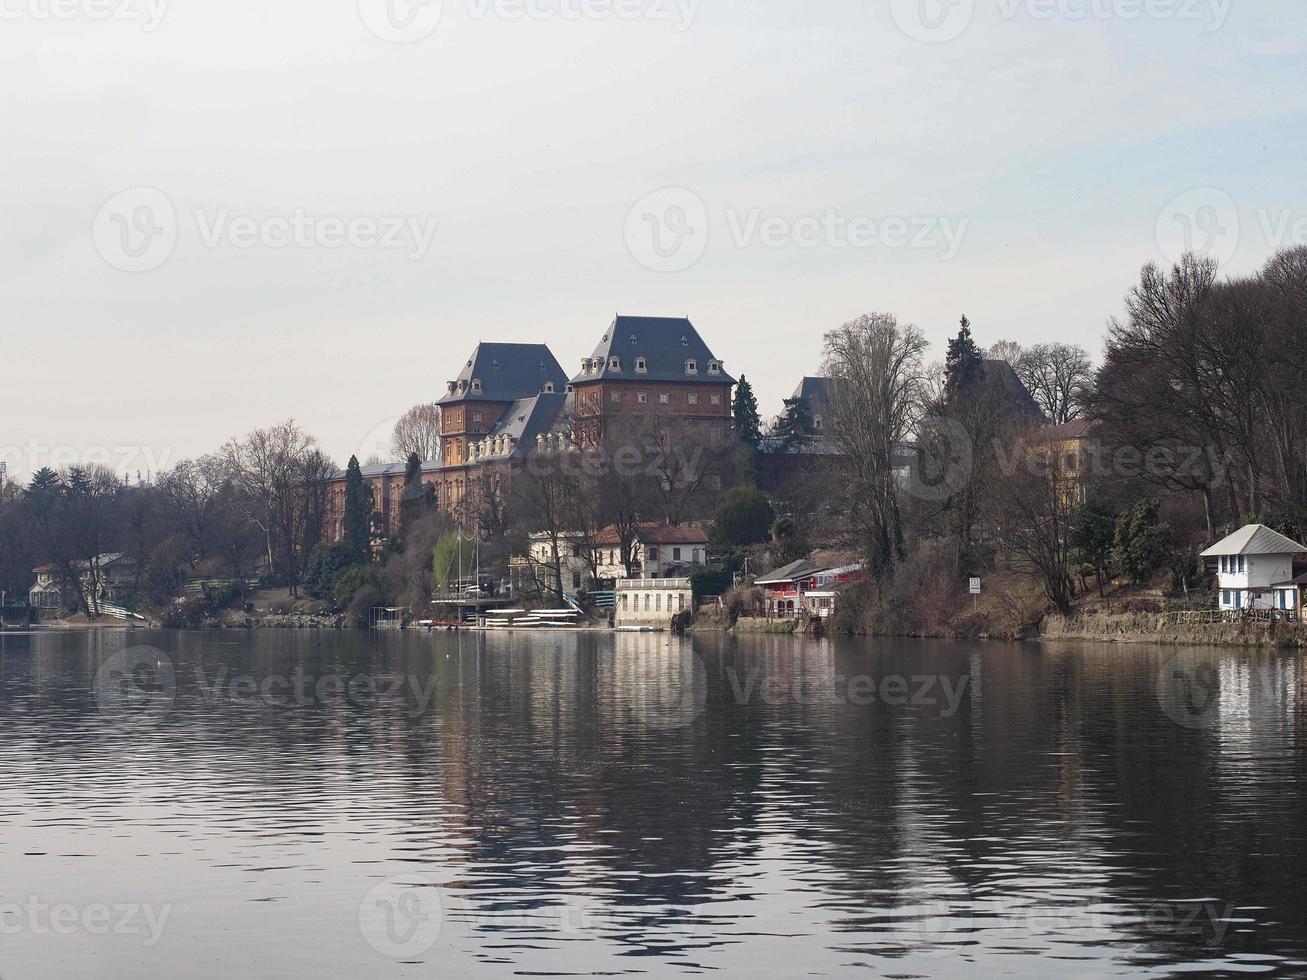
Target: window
<point x="716" y="399"/>
<point x="576" y="580"/>
<point x="714" y="367"/>
<point x="646" y="602"/>
<point x="614" y="364"/>
<point x="676" y="554"/>
<point x="476" y="384"/>
<point x="1243" y="564"/>
<point x="664" y="398"/>
<point x="626" y="602"/>
<point x="642" y="397"/>
<point x="653" y="554"/>
<point x="691" y="367"/>
<point x="816" y="421"/>
<point x="616" y="397"/>
<point x="1225" y="597"/>
<point x="641" y="365"/>
<point x="476" y="416"/>
<point x="659" y="602"/>
<point x="549" y="387"/>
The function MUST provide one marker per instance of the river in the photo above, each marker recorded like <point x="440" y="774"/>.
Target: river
<point x="340" y="804"/>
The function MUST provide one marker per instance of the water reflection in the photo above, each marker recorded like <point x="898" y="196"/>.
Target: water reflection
<point x="589" y="804"/>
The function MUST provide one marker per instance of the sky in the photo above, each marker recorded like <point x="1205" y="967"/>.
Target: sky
<point x="220" y="214"/>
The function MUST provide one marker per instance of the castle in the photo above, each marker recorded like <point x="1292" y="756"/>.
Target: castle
<point x="513" y="401"/>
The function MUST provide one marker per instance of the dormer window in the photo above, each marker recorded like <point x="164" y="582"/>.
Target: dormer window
<point x="614" y="363"/>
<point x="476" y="384"/>
<point x="685" y="341"/>
<point x="585" y="365"/>
<point x="549" y="387"/>
<point x="691" y="366"/>
<point x="453" y="387"/>
<point x="641" y="365"/>
<point x="634" y="341"/>
<point x="714" y="367"/>
<point x="570" y="388"/>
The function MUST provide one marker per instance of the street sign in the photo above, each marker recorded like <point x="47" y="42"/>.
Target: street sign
<point x="975" y="586"/>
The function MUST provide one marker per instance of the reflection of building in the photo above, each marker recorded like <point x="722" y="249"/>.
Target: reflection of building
<point x="1255" y="569"/>
<point x="511" y="401"/>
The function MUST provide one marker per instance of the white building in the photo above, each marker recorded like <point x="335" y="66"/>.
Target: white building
<point x="536" y="571"/>
<point x="659" y="550"/>
<point x="652" y="601"/>
<point x="1254" y="568"/>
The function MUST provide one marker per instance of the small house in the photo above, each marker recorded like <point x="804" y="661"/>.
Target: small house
<point x="1255" y="569"/>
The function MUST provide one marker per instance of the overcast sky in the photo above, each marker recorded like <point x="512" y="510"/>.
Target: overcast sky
<point x="222" y="213"/>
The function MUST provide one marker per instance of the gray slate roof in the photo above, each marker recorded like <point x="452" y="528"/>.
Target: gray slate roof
<point x="507" y="372"/>
<point x="1255" y="539"/>
<point x="527" y="418"/>
<point x="788" y="573"/>
<point x="665" y="343"/>
<point x="818" y="393"/>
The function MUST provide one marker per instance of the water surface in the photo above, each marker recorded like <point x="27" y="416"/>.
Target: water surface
<point x="338" y="804"/>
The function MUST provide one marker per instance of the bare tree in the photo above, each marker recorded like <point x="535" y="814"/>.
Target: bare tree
<point x="1056" y="375"/>
<point x="269" y="465"/>
<point x="417" y="431"/>
<point x="880" y="397"/>
<point x="1038" y="512"/>
<point x="1006" y="350"/>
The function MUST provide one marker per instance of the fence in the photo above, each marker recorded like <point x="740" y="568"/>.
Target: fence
<point x="1188" y="617"/>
